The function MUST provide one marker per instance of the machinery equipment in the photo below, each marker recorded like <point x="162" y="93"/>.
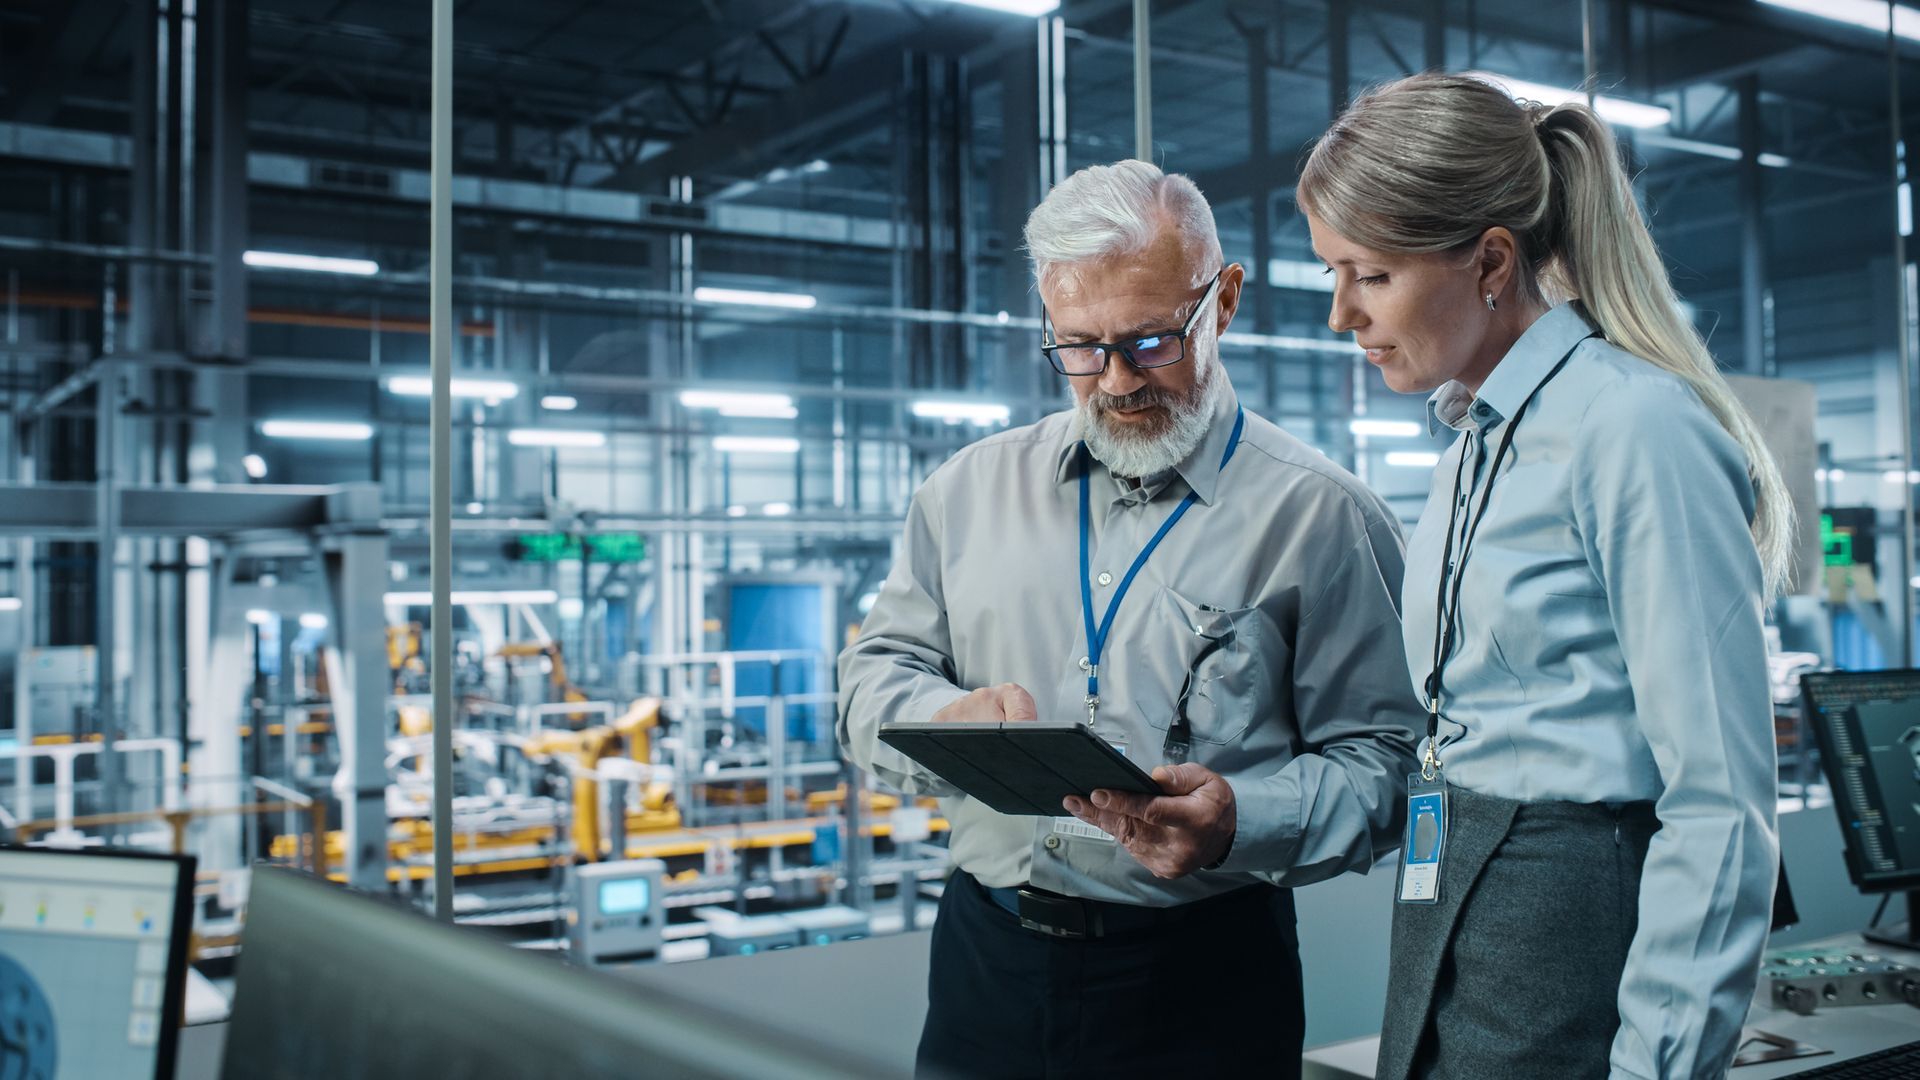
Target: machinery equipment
<point x="619" y="912"/>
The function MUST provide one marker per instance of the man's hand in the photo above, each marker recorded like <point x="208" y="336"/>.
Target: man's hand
<point x="991" y="704"/>
<point x="1173" y="834"/>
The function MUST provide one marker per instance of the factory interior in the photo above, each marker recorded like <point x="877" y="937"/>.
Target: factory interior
<point x="538" y="679"/>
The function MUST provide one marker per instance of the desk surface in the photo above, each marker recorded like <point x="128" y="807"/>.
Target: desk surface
<point x="1848" y="1031"/>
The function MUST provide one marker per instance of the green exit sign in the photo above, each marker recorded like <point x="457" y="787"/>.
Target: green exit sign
<point x="546" y="547"/>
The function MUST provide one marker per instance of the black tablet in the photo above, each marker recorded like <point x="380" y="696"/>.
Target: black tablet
<point x="1021" y="766"/>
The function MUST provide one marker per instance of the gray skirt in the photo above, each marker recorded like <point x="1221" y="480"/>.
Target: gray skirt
<point x="1515" y="972"/>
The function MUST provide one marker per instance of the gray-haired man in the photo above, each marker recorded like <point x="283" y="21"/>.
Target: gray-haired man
<point x="1249" y="653"/>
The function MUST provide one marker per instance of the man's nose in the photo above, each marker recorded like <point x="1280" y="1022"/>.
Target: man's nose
<point x="1121" y="377"/>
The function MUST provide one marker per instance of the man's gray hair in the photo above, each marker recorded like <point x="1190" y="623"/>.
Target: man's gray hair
<point x="1104" y="211"/>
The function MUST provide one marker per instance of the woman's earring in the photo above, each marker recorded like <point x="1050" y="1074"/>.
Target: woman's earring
<point x="1489" y="301"/>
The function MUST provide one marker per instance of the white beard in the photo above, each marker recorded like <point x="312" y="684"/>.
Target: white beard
<point x="1135" y="455"/>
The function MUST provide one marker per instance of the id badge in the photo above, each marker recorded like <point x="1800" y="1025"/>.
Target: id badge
<point x="1426" y="840"/>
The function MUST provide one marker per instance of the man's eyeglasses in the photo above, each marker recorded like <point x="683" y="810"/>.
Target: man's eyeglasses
<point x="1151" y="351"/>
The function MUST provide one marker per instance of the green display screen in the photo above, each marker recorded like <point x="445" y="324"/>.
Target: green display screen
<point x="620" y="547"/>
<point x="547" y="547"/>
<point x="1836" y="546"/>
<point x="617" y="547"/>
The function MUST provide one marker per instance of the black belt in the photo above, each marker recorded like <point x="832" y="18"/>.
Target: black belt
<point x="1076" y="917"/>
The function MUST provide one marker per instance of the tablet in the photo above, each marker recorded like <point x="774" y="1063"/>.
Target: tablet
<point x="1020" y="766"/>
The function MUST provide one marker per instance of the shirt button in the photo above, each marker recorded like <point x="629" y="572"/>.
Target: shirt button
<point x="1086" y="663"/>
<point x="1052" y="843"/>
<point x="1105" y="578"/>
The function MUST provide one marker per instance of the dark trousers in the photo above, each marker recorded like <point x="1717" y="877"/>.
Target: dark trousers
<point x="1213" y="993"/>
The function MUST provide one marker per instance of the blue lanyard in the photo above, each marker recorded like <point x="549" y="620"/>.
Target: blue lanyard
<point x="1097" y="638"/>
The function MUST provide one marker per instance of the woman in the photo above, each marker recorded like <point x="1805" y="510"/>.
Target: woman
<point x="1583" y="599"/>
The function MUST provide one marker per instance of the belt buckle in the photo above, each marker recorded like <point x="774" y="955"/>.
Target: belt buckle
<point x="1057" y="916"/>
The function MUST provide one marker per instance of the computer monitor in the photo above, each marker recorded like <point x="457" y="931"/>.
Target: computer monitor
<point x="1867" y="725"/>
<point x="93" y="961"/>
<point x="331" y="983"/>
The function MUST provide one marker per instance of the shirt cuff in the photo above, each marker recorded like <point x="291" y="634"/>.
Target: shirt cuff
<point x="1267" y="827"/>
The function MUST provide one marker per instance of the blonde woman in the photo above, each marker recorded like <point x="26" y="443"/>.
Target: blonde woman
<point x="1591" y="850"/>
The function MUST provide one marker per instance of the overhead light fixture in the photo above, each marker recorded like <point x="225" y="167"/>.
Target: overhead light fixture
<point x="313" y="620"/>
<point x="1413" y="459"/>
<point x="261" y="616"/>
<point x="1389" y="429"/>
<point x="1299" y="274"/>
<point x="255" y="465"/>
<point x="559" y="402"/>
<point x="736" y="511"/>
<point x="10" y="603"/>
<point x="319" y="264"/>
<point x="1029" y="8"/>
<point x="1710" y="149"/>
<point x="978" y="413"/>
<point x="1894" y="476"/>
<point x="555" y="437"/>
<point x="777" y="509"/>
<point x="422" y="386"/>
<point x="741" y="404"/>
<point x="1867" y="14"/>
<point x="476" y="508"/>
<point x="755" y="444"/>
<point x="754" y="298"/>
<point x="571" y="607"/>
<point x="1614" y="110"/>
<point x="505" y="596"/>
<point x="339" y="430"/>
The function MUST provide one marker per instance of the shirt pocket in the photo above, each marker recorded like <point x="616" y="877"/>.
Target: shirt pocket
<point x="1231" y="685"/>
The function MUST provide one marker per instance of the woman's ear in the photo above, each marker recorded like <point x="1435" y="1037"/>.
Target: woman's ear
<point x="1496" y="258"/>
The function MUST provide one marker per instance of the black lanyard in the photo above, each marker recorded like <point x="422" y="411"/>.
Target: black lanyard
<point x="1447" y="607"/>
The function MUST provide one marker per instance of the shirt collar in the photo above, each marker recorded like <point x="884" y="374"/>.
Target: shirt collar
<point x="1200" y="469"/>
<point x="1515" y="378"/>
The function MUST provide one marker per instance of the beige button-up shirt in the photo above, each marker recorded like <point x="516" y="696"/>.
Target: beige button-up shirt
<point x="1309" y="714"/>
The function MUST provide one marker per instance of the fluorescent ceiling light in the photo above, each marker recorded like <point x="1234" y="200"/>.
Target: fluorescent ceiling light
<point x="1869" y="14"/>
<point x="343" y="430"/>
<point x="1413" y="459"/>
<point x="1299" y="274"/>
<point x="754" y="298"/>
<point x="255" y="465"/>
<point x="1894" y="476"/>
<point x="1031" y="8"/>
<point x="1614" y="110"/>
<point x="777" y="509"/>
<point x="476" y="507"/>
<point x="1709" y="149"/>
<point x="571" y="607"/>
<point x="754" y="444"/>
<point x="506" y="596"/>
<point x="422" y="386"/>
<point x="260" y="616"/>
<point x="9" y="603"/>
<point x="559" y="402"/>
<point x="736" y="511"/>
<point x="553" y="437"/>
<point x="1392" y="429"/>
<point x="737" y="403"/>
<point x="1824" y="475"/>
<point x="313" y="620"/>
<point x="322" y="264"/>
<point x="981" y="413"/>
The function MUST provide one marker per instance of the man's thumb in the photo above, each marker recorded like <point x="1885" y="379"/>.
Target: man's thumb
<point x="1017" y="704"/>
<point x="1182" y="779"/>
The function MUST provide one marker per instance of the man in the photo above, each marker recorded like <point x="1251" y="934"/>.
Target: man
<point x="1258" y="643"/>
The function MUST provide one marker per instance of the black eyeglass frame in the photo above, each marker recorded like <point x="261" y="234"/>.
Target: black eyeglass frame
<point x="1051" y="348"/>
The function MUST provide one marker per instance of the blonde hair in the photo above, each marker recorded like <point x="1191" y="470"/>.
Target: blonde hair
<point x="1428" y="163"/>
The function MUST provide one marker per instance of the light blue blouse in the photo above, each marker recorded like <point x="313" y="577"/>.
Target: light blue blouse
<point x="1610" y="649"/>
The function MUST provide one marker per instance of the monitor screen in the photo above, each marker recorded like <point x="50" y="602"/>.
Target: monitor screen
<point x="623" y="897"/>
<point x="1867" y="724"/>
<point x="93" y="953"/>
